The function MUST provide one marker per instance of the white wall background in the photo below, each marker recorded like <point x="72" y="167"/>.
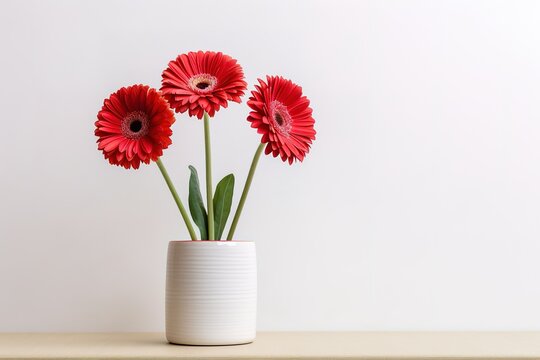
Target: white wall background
<point x="418" y="207"/>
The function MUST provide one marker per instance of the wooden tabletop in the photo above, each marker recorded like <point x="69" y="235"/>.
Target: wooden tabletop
<point x="278" y="345"/>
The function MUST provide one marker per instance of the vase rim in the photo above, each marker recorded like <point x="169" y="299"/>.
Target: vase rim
<point x="211" y="241"/>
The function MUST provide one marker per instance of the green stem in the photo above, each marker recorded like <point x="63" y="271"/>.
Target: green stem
<point x="177" y="199"/>
<point x="209" y="191"/>
<point x="245" y="192"/>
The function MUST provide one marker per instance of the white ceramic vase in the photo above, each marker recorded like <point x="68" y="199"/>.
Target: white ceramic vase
<point x="211" y="295"/>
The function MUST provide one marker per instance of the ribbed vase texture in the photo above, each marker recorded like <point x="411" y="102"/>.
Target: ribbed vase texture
<point x="211" y="296"/>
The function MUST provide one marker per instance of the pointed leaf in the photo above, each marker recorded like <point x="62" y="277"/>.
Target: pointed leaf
<point x="222" y="204"/>
<point x="196" y="204"/>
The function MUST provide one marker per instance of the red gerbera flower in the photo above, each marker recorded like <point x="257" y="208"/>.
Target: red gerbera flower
<point x="202" y="81"/>
<point x="134" y="125"/>
<point x="283" y="117"/>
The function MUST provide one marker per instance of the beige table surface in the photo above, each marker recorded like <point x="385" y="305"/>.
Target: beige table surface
<point x="278" y="345"/>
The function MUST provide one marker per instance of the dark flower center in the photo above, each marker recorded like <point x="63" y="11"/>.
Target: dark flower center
<point x="135" y="125"/>
<point x="278" y="118"/>
<point x="203" y="83"/>
<point x="282" y="119"/>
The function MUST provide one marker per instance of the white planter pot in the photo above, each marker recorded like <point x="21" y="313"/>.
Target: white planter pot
<point x="211" y="296"/>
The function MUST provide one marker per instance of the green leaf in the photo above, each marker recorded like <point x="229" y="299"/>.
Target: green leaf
<point x="196" y="204"/>
<point x="222" y="204"/>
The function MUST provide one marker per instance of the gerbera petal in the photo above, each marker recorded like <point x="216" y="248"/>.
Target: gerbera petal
<point x="281" y="114"/>
<point x="222" y="81"/>
<point x="134" y="126"/>
<point x="147" y="145"/>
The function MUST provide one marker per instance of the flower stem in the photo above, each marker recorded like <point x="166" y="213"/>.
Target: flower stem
<point x="245" y="192"/>
<point x="177" y="199"/>
<point x="209" y="191"/>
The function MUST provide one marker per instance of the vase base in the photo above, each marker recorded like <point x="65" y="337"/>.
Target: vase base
<point x="188" y="343"/>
